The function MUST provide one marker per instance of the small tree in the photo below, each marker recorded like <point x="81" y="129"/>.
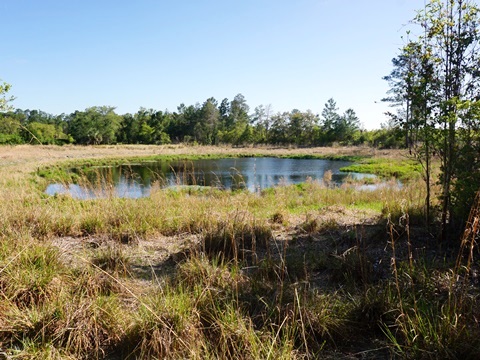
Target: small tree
<point x="437" y="78"/>
<point x="329" y="119"/>
<point x="4" y="99"/>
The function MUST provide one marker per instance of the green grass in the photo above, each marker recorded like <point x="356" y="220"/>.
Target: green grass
<point x="387" y="168"/>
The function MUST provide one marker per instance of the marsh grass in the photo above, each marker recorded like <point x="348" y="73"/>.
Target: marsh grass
<point x="292" y="272"/>
<point x="112" y="259"/>
<point x="405" y="169"/>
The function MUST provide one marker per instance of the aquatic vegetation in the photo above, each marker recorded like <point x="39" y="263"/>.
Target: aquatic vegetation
<point x="401" y="169"/>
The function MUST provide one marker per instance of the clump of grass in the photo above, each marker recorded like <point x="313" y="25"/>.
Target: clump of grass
<point x="326" y="317"/>
<point x="311" y="225"/>
<point x="195" y="315"/>
<point x="351" y="267"/>
<point x="93" y="328"/>
<point x="395" y="212"/>
<point x="31" y="350"/>
<point x="73" y="323"/>
<point x="299" y="264"/>
<point x="278" y="217"/>
<point x="217" y="274"/>
<point x="327" y="178"/>
<point x="235" y="239"/>
<point x="94" y="282"/>
<point x="314" y="224"/>
<point x="166" y="326"/>
<point x="232" y="334"/>
<point x="112" y="259"/>
<point x="372" y="308"/>
<point x="29" y="276"/>
<point x="425" y="324"/>
<point x="230" y="310"/>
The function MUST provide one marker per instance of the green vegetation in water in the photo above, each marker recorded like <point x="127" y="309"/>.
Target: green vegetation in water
<point x="386" y="168"/>
<point x="58" y="173"/>
<point x="62" y="172"/>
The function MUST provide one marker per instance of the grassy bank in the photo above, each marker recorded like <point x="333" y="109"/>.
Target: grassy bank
<point x="295" y="272"/>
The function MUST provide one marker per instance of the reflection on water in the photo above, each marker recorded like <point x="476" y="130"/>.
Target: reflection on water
<point x="136" y="180"/>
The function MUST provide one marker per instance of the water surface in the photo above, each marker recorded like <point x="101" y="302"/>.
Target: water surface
<point x="136" y="180"/>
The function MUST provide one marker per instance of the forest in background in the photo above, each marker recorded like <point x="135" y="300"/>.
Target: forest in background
<point x="210" y="123"/>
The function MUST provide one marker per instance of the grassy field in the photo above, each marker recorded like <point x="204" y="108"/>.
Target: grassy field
<point x="294" y="272"/>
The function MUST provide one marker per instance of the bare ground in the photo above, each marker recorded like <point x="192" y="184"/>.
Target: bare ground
<point x="337" y="231"/>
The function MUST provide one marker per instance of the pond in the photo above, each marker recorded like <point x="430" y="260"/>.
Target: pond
<point x="136" y="180"/>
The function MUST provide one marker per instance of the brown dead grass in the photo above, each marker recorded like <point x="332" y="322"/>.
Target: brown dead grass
<point x="33" y="156"/>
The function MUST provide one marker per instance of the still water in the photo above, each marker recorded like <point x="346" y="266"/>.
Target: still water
<point x="136" y="180"/>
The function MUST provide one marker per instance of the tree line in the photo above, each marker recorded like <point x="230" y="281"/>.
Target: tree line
<point x="209" y="123"/>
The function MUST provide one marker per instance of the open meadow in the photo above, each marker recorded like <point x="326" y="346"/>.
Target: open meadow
<point x="291" y="272"/>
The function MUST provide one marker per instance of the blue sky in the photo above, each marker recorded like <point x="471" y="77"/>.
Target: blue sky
<point x="67" y="55"/>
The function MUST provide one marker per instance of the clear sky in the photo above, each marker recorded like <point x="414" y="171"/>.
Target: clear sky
<point x="67" y="55"/>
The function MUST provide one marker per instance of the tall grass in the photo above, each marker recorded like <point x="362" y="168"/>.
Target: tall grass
<point x="292" y="272"/>
<point x="434" y="309"/>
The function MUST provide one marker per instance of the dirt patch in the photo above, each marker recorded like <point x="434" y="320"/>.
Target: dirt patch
<point x="146" y="257"/>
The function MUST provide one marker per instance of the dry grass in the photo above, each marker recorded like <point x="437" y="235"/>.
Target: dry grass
<point x="294" y="272"/>
<point x="30" y="157"/>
